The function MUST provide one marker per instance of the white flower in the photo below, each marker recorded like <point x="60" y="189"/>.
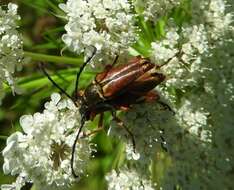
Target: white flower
<point x="166" y="49"/>
<point x="11" y="47"/>
<point x="107" y="25"/>
<point x="153" y="9"/>
<point x="217" y="17"/>
<point x="131" y="154"/>
<point x="196" y="40"/>
<point x="127" y="180"/>
<point x="43" y="152"/>
<point x="20" y="182"/>
<point x="187" y="48"/>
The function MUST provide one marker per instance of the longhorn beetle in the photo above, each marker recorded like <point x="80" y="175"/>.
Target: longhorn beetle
<point x="116" y="88"/>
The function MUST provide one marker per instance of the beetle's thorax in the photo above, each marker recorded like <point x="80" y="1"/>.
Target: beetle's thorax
<point x="93" y="94"/>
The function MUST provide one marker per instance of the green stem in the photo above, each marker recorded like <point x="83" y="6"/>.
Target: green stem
<point x="119" y="157"/>
<point x="53" y="58"/>
<point x="2" y="137"/>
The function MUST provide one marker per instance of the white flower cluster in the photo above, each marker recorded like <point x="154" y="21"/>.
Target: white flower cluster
<point x="204" y="114"/>
<point x="11" y="52"/>
<point x="199" y="87"/>
<point x="195" y="119"/>
<point x="185" y="49"/>
<point x="165" y="49"/>
<point x="107" y="25"/>
<point x="214" y="16"/>
<point x="154" y="9"/>
<point x="198" y="139"/>
<point x="127" y="180"/>
<point x="187" y="67"/>
<point x="42" y="153"/>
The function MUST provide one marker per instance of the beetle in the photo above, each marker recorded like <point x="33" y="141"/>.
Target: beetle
<point x="116" y="88"/>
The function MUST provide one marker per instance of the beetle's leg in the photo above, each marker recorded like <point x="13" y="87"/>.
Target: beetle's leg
<point x="115" y="60"/>
<point x="110" y="66"/>
<point x="121" y="124"/>
<point x="100" y="127"/>
<point x="100" y="121"/>
<point x="42" y="67"/>
<point x="178" y="55"/>
<point x="153" y="96"/>
<point x="168" y="61"/>
<point x="161" y="132"/>
<point x="80" y="71"/>
<point x="92" y="132"/>
<point x="163" y="142"/>
<point x="166" y="106"/>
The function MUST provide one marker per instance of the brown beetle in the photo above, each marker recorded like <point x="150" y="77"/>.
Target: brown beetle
<point x="116" y="88"/>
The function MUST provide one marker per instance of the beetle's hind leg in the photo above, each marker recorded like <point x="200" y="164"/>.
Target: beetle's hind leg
<point x="121" y="124"/>
<point x="166" y="106"/>
<point x="163" y="141"/>
<point x="153" y="96"/>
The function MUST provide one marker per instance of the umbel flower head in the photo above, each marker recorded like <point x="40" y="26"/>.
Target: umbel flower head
<point x="41" y="154"/>
<point x="154" y="9"/>
<point x="11" y="46"/>
<point x="200" y="89"/>
<point x="127" y="180"/>
<point x="107" y="25"/>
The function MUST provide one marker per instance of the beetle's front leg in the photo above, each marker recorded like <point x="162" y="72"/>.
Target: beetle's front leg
<point x="100" y="127"/>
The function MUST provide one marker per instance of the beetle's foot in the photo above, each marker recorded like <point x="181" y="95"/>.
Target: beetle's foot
<point x="121" y="124"/>
<point x="93" y="132"/>
<point x="166" y="107"/>
<point x="131" y="136"/>
<point x="163" y="144"/>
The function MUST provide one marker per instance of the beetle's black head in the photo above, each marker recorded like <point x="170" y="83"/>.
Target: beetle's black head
<point x="84" y="111"/>
<point x="89" y="99"/>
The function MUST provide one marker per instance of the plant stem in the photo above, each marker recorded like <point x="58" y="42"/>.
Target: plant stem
<point x="2" y="137"/>
<point x="53" y="58"/>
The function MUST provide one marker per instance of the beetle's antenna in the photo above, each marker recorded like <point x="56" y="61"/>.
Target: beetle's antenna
<point x="74" y="147"/>
<point x="181" y="62"/>
<point x="42" y="67"/>
<point x="80" y="71"/>
<point x="115" y="60"/>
